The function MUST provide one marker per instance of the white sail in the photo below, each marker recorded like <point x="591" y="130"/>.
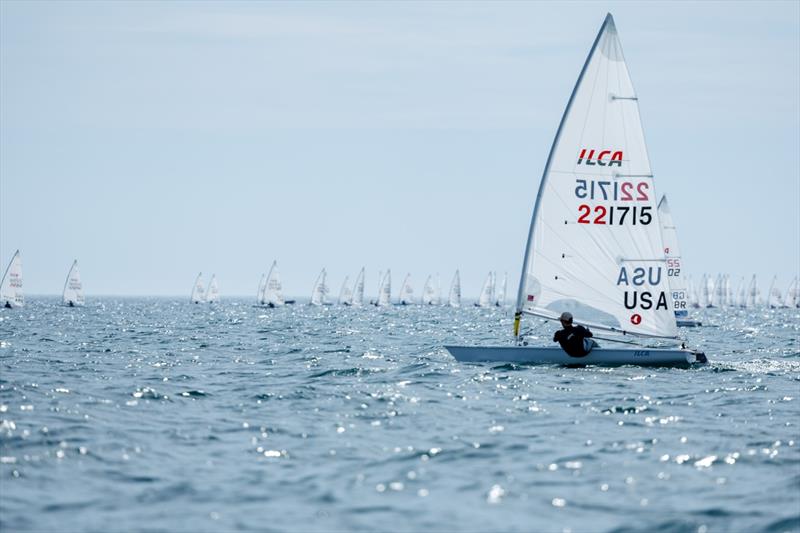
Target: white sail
<point x="212" y="295"/>
<point x="741" y="294"/>
<point x="500" y="299"/>
<point x="775" y="296"/>
<point x="486" y="297"/>
<point x="261" y="286"/>
<point x="73" y="287"/>
<point x="11" y="285"/>
<point x="385" y="290"/>
<point x="753" y="293"/>
<point x="320" y="289"/>
<point x="719" y="291"/>
<point x="273" y="290"/>
<point x="595" y="246"/>
<point x="345" y="294"/>
<point x="198" y="292"/>
<point x="691" y="294"/>
<point x="406" y="295"/>
<point x="455" y="291"/>
<point x="793" y="294"/>
<point x="677" y="285"/>
<point x="358" y="290"/>
<point x="428" y="292"/>
<point x="706" y="290"/>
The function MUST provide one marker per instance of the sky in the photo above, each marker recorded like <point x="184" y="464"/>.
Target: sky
<point x="154" y="140"/>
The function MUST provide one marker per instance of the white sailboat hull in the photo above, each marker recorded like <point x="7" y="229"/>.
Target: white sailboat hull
<point x="556" y="356"/>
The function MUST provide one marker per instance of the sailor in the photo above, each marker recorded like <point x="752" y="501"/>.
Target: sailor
<point x="71" y="303"/>
<point x="575" y="340"/>
<point x="7" y="305"/>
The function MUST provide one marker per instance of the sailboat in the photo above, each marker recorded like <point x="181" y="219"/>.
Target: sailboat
<point x="753" y="293"/>
<point x="706" y="291"/>
<point x="320" y="290"/>
<point x="741" y="294"/>
<point x="271" y="289"/>
<point x="429" y="292"/>
<point x="486" y="298"/>
<point x="719" y="291"/>
<point x="678" y="289"/>
<point x="345" y="293"/>
<point x="691" y="294"/>
<point x="406" y="295"/>
<point x="594" y="246"/>
<point x="358" y="290"/>
<point x="73" y="288"/>
<point x="212" y="295"/>
<point x="500" y="300"/>
<point x="198" y="292"/>
<point x="454" y="299"/>
<point x="260" y="293"/>
<point x="11" y="285"/>
<point x="385" y="290"/>
<point x="775" y="296"/>
<point x="793" y="294"/>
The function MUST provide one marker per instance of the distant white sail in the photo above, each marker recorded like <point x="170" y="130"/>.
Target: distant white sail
<point x="11" y="285"/>
<point x="406" y="295"/>
<point x="198" y="292"/>
<point x="753" y="293"/>
<point x="73" y="288"/>
<point x="455" y="291"/>
<point x="741" y="294"/>
<point x="358" y="290"/>
<point x="793" y="294"/>
<point x="487" y="292"/>
<point x="719" y="291"/>
<point x="428" y="292"/>
<point x="669" y="234"/>
<point x="385" y="290"/>
<point x="345" y="294"/>
<point x="500" y="301"/>
<point x="212" y="295"/>
<point x="320" y="289"/>
<point x="261" y="286"/>
<point x="775" y="296"/>
<point x="691" y="293"/>
<point x="704" y="296"/>
<point x="273" y="290"/>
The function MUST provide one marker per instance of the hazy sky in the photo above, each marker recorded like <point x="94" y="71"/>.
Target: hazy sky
<point x="154" y="140"/>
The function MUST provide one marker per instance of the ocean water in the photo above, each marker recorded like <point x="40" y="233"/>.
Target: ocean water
<point x="159" y="415"/>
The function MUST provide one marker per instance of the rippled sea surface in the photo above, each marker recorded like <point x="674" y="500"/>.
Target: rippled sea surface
<point x="159" y="415"/>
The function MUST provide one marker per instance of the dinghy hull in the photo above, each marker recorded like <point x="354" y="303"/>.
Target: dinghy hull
<point x="556" y="356"/>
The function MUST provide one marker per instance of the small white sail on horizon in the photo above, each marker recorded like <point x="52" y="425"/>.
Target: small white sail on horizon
<point x="406" y="294"/>
<point x="260" y="293"/>
<point x="753" y="293"/>
<point x="11" y="284"/>
<point x="719" y="291"/>
<point x="320" y="290"/>
<point x="212" y="294"/>
<point x="358" y="290"/>
<point x="706" y="292"/>
<point x="793" y="294"/>
<point x="385" y="290"/>
<point x="273" y="289"/>
<point x="741" y="294"/>
<point x="486" y="298"/>
<point x="500" y="299"/>
<point x="428" y="292"/>
<point x="73" y="287"/>
<point x="775" y="296"/>
<point x="345" y="294"/>
<point x="454" y="299"/>
<point x="198" y="291"/>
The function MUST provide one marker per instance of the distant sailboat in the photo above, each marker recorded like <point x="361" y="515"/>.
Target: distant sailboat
<point x="691" y="293"/>
<point x="793" y="294"/>
<point x="741" y="294"/>
<point x="385" y="290"/>
<point x="775" y="296"/>
<point x="358" y="290"/>
<point x="719" y="291"/>
<point x="198" y="292"/>
<point x="677" y="287"/>
<point x="320" y="290"/>
<point x="261" y="285"/>
<point x="345" y="294"/>
<point x="706" y="290"/>
<point x="406" y="295"/>
<point x="212" y="295"/>
<point x="753" y="293"/>
<point x="429" y="292"/>
<point x="455" y="291"/>
<point x="11" y="285"/>
<point x="500" y="301"/>
<point x="73" y="288"/>
<point x="486" y="299"/>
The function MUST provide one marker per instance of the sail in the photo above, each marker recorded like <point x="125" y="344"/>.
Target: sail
<point x="320" y="289"/>
<point x="198" y="292"/>
<point x="594" y="246"/>
<point x="261" y="285"/>
<point x="406" y="295"/>
<point x="11" y="285"/>
<point x="73" y="288"/>
<point x="775" y="296"/>
<point x="345" y="294"/>
<point x="500" y="300"/>
<point x="358" y="290"/>
<point x="719" y="291"/>
<point x="753" y="293"/>
<point x="691" y="294"/>
<point x="212" y="295"/>
<point x="706" y="290"/>
<point x="741" y="294"/>
<point x="428" y="292"/>
<point x="455" y="291"/>
<point x="677" y="285"/>
<point x="385" y="290"/>
<point x="793" y="294"/>
<point x="273" y="290"/>
<point x="487" y="292"/>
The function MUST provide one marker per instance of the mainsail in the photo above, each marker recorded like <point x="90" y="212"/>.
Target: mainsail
<point x="719" y="291"/>
<point x="320" y="289"/>
<point x="358" y="290"/>
<point x="345" y="294"/>
<point x="429" y="292"/>
<point x="261" y="285"/>
<point x="677" y="286"/>
<point x="213" y="290"/>
<point x="753" y="293"/>
<point x="775" y="296"/>
<point x="500" y="300"/>
<point x="793" y="294"/>
<point x="594" y="246"/>
<point x="406" y="296"/>
<point x="73" y="288"/>
<point x="487" y="291"/>
<point x="198" y="292"/>
<point x="455" y="291"/>
<point x="385" y="290"/>
<point x="273" y="290"/>
<point x="11" y="285"/>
